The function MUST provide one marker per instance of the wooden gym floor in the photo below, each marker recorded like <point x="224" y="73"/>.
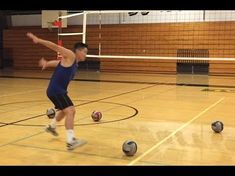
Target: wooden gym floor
<point x="169" y="117"/>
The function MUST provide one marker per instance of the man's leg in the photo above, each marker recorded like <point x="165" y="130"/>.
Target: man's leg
<point x="58" y="117"/>
<point x="51" y="128"/>
<point x="69" y="122"/>
<point x="72" y="142"/>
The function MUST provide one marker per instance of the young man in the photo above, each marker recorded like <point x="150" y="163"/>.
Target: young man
<point x="65" y="70"/>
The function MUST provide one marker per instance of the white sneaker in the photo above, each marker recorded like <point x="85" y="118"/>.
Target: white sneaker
<point x="51" y="130"/>
<point x="75" y="143"/>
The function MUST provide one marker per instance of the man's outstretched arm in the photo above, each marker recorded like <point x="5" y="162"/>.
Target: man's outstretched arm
<point x="66" y="53"/>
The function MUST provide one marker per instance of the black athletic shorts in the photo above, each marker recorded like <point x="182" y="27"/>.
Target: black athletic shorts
<point x="61" y="101"/>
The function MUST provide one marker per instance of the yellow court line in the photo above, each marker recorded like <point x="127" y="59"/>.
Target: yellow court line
<point x="174" y="132"/>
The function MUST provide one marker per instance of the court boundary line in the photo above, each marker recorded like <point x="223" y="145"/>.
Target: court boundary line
<point x="14" y="143"/>
<point x="21" y="139"/>
<point x="174" y="132"/>
<point x="65" y="151"/>
<point x="129" y="82"/>
<point x="85" y="124"/>
<point x="90" y="154"/>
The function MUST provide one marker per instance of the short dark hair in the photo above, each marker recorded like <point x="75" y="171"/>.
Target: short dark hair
<point x="79" y="45"/>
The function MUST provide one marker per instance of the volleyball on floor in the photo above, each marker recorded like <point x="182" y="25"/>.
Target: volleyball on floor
<point x="96" y="116"/>
<point x="129" y="147"/>
<point x="217" y="126"/>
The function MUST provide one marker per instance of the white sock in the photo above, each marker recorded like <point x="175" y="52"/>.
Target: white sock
<point x="70" y="135"/>
<point x="53" y="123"/>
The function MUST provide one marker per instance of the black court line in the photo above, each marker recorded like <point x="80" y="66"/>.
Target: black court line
<point x="76" y="79"/>
<point x="129" y="82"/>
<point x="82" y="124"/>
<point x="65" y="151"/>
<point x="219" y="90"/>
<point x="21" y="139"/>
<point x="89" y="154"/>
<point x="136" y="112"/>
<point x="79" y="153"/>
<point x="93" y="101"/>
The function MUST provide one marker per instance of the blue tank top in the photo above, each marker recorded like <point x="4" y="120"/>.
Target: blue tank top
<point x="61" y="78"/>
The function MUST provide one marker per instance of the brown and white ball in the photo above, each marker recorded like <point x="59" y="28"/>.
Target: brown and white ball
<point x="96" y="116"/>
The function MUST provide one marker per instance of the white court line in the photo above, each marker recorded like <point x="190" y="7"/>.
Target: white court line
<point x="173" y="133"/>
<point x="19" y="93"/>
